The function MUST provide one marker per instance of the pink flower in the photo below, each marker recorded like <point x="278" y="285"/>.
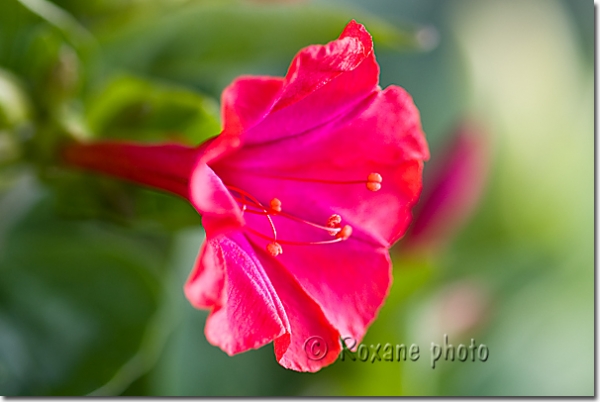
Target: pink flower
<point x="302" y="194"/>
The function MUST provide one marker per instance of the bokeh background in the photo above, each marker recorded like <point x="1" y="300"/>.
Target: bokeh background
<point x="91" y="269"/>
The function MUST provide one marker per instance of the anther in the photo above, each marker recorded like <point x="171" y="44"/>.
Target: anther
<point x="344" y="233"/>
<point x="275" y="205"/>
<point x="274" y="249"/>
<point x="334" y="221"/>
<point x="374" y="181"/>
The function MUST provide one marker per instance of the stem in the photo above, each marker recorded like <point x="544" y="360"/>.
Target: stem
<point x="166" y="167"/>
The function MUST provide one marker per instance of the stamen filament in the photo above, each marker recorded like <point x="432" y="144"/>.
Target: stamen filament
<point x="267" y="213"/>
<point x="251" y="205"/>
<point x="256" y="202"/>
<point x="295" y="243"/>
<point x="373" y="181"/>
<point x="309" y="180"/>
<point x="316" y="225"/>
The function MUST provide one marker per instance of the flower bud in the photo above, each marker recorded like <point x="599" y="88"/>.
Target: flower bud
<point x="452" y="189"/>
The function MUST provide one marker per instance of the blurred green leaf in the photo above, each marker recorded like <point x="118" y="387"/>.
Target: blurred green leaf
<point x="18" y="29"/>
<point x="75" y="310"/>
<point x="15" y="106"/>
<point x="42" y="55"/>
<point x="136" y="109"/>
<point x="52" y="69"/>
<point x="207" y="44"/>
<point x="81" y="195"/>
<point x="191" y="366"/>
<point x="107" y="14"/>
<point x="48" y="70"/>
<point x="15" y="112"/>
<point x="143" y="111"/>
<point x="60" y="19"/>
<point x="541" y="337"/>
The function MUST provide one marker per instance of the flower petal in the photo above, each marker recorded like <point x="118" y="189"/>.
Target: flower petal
<point x="305" y="172"/>
<point x="204" y="286"/>
<point x="256" y="301"/>
<point x="349" y="280"/>
<point x="323" y="81"/>
<point x="251" y="314"/>
<point x="247" y="100"/>
<point x="314" y="342"/>
<point x="318" y="65"/>
<point x="211" y="199"/>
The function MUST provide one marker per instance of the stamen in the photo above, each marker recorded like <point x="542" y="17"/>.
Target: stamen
<point x="268" y="213"/>
<point x="374" y="181"/>
<point x="315" y="225"/>
<point x="274" y="249"/>
<point x="246" y="196"/>
<point x="275" y="205"/>
<point x="250" y="204"/>
<point x="294" y="243"/>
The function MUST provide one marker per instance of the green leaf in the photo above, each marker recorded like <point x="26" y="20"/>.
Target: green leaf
<point x="207" y="44"/>
<point x="75" y="300"/>
<point x="15" y="113"/>
<point x="142" y="110"/>
<point x="15" y="106"/>
<point x="189" y="365"/>
<point x="45" y="58"/>
<point x="82" y="195"/>
<point x="60" y="19"/>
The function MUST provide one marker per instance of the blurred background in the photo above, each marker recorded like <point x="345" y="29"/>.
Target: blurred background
<point x="502" y="245"/>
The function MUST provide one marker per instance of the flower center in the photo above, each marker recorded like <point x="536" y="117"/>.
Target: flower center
<point x="332" y="226"/>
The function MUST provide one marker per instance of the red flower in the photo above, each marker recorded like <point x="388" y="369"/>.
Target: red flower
<point x="302" y="194"/>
